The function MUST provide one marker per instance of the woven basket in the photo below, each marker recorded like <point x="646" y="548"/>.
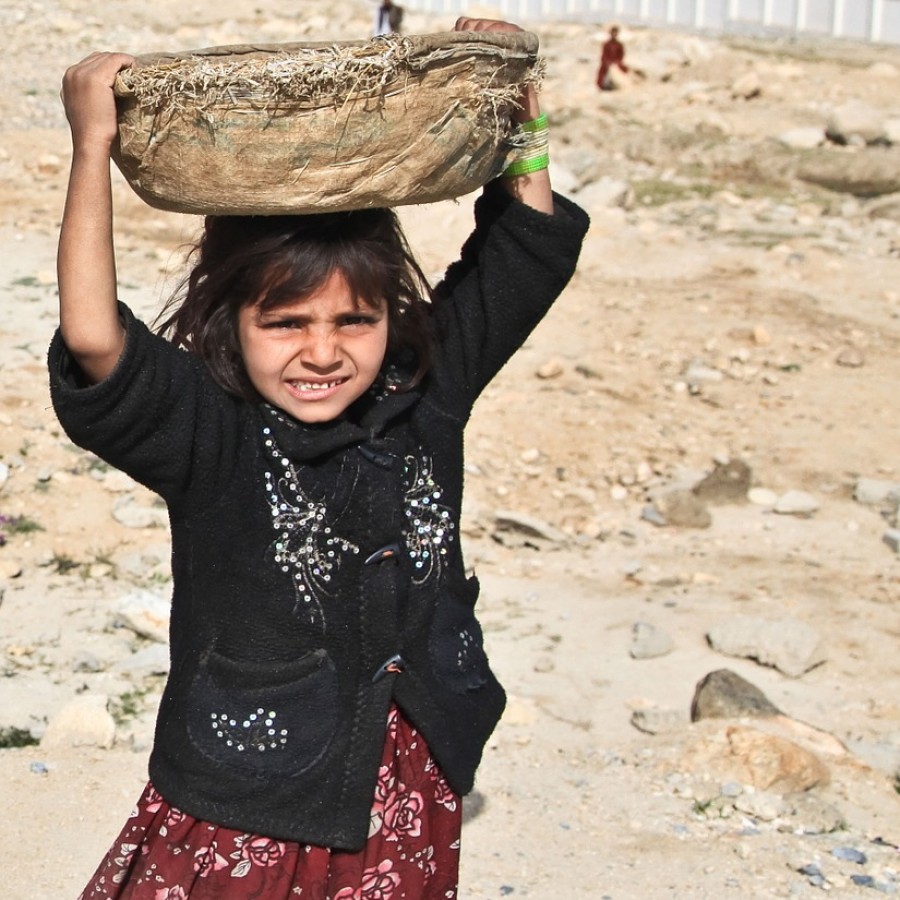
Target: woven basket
<point x="298" y="128"/>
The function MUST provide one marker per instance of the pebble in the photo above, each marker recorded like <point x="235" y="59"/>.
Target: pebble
<point x="892" y="538"/>
<point x="796" y="503"/>
<point x="649" y="642"/>
<point x="762" y="497"/>
<point x="551" y="369"/>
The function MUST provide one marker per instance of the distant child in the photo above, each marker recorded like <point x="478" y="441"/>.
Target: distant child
<point x="388" y="18"/>
<point x="329" y="697"/>
<point x="611" y="54"/>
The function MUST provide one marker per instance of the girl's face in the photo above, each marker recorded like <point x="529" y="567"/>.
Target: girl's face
<point x="313" y="357"/>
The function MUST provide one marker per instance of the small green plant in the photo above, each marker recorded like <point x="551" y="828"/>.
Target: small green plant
<point x="26" y="281"/>
<point x="127" y="706"/>
<point x="13" y="737"/>
<point x="62" y="564"/>
<point x="21" y="525"/>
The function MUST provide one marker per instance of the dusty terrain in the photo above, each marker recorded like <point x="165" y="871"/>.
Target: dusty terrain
<point x="725" y="309"/>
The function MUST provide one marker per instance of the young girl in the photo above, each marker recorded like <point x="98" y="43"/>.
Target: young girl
<point x="329" y="697"/>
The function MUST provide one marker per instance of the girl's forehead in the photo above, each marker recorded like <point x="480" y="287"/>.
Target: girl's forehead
<point x="333" y="292"/>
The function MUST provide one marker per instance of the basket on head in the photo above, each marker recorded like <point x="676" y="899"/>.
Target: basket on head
<point x="300" y="128"/>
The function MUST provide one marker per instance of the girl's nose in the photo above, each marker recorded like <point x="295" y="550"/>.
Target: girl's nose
<point x="319" y="350"/>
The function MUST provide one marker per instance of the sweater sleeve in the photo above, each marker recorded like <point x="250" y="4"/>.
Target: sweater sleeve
<point x="158" y="417"/>
<point x="511" y="270"/>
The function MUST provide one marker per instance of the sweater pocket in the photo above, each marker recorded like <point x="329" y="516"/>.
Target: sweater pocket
<point x="456" y="643"/>
<point x="264" y="717"/>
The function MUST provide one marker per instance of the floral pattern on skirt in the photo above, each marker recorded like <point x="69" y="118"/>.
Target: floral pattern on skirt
<point x="412" y="852"/>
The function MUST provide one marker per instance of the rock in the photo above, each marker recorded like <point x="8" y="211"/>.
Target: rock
<point x="553" y="368"/>
<point x="649" y="642"/>
<point x="802" y="138"/>
<point x="764" y="806"/>
<point x="855" y="122"/>
<point x="10" y="569"/>
<point x="606" y="193"/>
<point x="877" y="492"/>
<point x="506" y="521"/>
<point x="762" y="497"/>
<point x="698" y="374"/>
<point x="747" y="86"/>
<point x="682" y="509"/>
<point x="851" y="358"/>
<point x="83" y="722"/>
<point x="791" y="646"/>
<point x="884" y="207"/>
<point x="145" y="613"/>
<point x="869" y="173"/>
<point x="723" y="694"/>
<point x="4" y="474"/>
<point x="127" y="512"/>
<point x="813" y="815"/>
<point x="773" y="764"/>
<point x="152" y="660"/>
<point x="892" y="538"/>
<point x="656" y="720"/>
<point x="796" y="503"/>
<point x="727" y="483"/>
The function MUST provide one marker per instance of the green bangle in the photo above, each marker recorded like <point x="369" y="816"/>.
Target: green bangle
<point x="527" y="166"/>
<point x="535" y="124"/>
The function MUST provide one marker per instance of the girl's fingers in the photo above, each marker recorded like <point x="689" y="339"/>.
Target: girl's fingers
<point x="464" y="23"/>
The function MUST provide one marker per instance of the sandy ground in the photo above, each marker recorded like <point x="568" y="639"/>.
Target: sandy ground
<point x="790" y="293"/>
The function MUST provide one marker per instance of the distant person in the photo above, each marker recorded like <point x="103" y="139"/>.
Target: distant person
<point x="612" y="54"/>
<point x="388" y="18"/>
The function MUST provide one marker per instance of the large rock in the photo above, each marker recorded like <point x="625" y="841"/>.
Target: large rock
<point x="723" y="694"/>
<point x="771" y="763"/>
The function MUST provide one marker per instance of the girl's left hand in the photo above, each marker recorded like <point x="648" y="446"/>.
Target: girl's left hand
<point x="464" y="23"/>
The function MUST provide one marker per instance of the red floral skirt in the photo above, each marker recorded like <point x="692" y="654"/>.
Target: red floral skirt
<point x="412" y="851"/>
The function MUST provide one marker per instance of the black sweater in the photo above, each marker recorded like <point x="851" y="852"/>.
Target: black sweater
<point x="307" y="557"/>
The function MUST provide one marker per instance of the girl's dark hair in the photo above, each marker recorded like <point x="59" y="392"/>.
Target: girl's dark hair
<point x="275" y="260"/>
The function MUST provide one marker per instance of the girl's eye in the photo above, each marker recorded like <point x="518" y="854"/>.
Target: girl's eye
<point x="357" y="320"/>
<point x="280" y="324"/>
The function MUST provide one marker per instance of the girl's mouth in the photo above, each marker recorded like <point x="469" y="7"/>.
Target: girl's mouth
<point x="315" y="385"/>
<point x="315" y="390"/>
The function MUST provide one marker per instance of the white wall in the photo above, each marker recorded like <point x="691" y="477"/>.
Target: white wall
<point x="874" y="20"/>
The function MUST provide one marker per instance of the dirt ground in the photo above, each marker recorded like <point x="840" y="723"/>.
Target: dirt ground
<point x="724" y="308"/>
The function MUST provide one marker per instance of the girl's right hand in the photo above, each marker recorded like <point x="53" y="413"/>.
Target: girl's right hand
<point x="89" y="101"/>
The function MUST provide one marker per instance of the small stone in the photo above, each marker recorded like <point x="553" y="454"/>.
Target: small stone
<point x="851" y="358"/>
<point x="39" y="768"/>
<point x="83" y="722"/>
<point x="892" y="538"/>
<point x="796" y="503"/>
<point x="656" y="720"/>
<point x="145" y="613"/>
<point x="727" y="483"/>
<point x="850" y="854"/>
<point x="649" y="642"/>
<point x="762" y="497"/>
<point x="683" y="509"/>
<point x="553" y="368"/>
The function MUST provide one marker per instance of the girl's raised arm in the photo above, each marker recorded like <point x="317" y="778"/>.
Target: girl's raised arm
<point x="533" y="188"/>
<point x="86" y="265"/>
